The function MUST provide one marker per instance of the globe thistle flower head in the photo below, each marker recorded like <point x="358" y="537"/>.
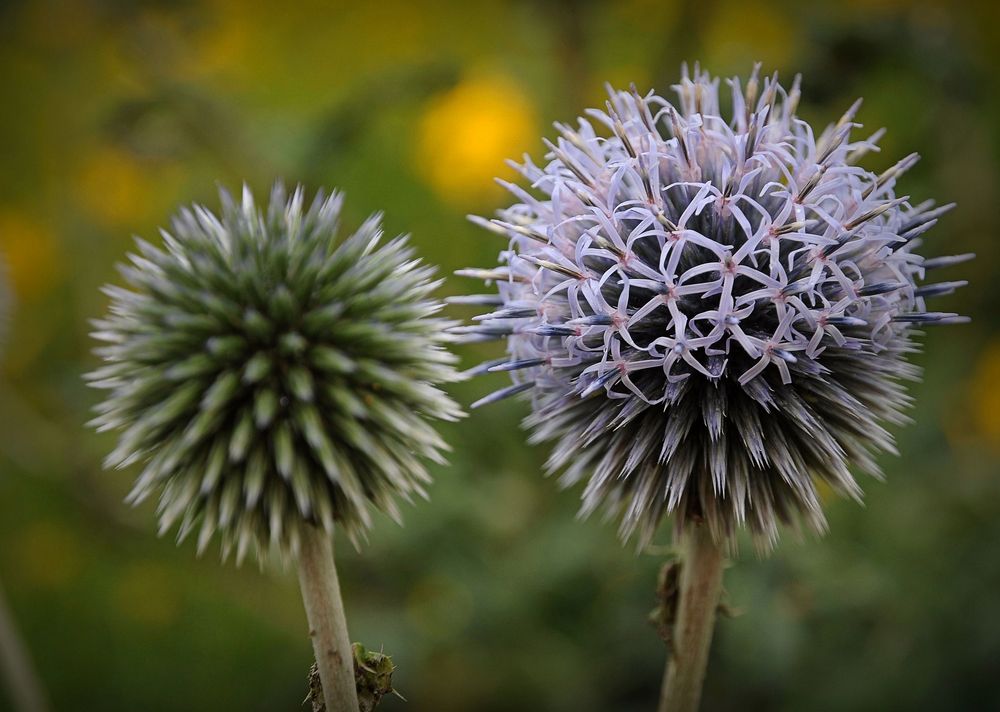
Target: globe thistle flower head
<point x="267" y="372"/>
<point x="711" y="314"/>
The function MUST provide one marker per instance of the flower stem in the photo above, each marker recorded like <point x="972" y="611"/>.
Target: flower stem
<point x="327" y="624"/>
<point x="700" y="588"/>
<point x="15" y="666"/>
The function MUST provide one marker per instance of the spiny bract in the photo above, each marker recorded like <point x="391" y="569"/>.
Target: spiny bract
<point x="268" y="373"/>
<point x="711" y="315"/>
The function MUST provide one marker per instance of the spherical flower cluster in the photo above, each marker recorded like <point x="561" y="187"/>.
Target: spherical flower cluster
<point x="712" y="315"/>
<point x="268" y="372"/>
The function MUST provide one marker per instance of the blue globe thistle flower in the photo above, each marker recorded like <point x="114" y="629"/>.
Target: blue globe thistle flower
<point x="268" y="372"/>
<point x="711" y="314"/>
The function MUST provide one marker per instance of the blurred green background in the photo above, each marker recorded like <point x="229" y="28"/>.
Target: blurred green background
<point x="493" y="597"/>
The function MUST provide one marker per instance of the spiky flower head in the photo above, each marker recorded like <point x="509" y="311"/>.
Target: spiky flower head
<point x="268" y="372"/>
<point x="712" y="315"/>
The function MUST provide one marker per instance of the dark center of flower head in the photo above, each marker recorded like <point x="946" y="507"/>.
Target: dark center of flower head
<point x="269" y="372"/>
<point x="711" y="313"/>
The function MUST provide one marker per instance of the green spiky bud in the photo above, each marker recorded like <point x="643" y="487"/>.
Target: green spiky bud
<point x="268" y="373"/>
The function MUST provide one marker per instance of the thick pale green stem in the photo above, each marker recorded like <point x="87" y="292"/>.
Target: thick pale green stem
<point x="699" y="591"/>
<point x="15" y="666"/>
<point x="327" y="624"/>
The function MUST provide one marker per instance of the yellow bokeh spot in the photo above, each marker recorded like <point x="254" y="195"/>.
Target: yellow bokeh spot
<point x="31" y="253"/>
<point x="824" y="490"/>
<point x="225" y="41"/>
<point x="147" y="594"/>
<point x="47" y="555"/>
<point x="917" y="8"/>
<point x="114" y="188"/>
<point x="466" y="133"/>
<point x="984" y="395"/>
<point x="742" y="32"/>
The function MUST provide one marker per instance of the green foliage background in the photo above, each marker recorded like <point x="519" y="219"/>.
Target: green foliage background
<point x="493" y="597"/>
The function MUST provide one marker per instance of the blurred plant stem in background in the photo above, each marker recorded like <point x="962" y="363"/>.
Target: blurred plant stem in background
<point x="19" y="676"/>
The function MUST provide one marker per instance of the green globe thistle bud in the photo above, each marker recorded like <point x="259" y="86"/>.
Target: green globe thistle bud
<point x="268" y="373"/>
